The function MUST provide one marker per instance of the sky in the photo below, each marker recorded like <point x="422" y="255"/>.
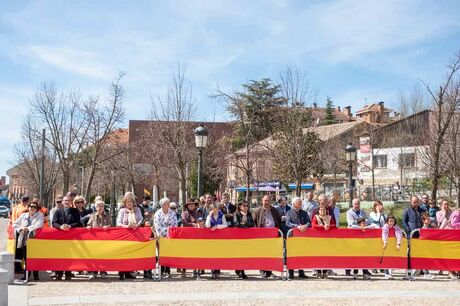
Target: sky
<point x="355" y="52"/>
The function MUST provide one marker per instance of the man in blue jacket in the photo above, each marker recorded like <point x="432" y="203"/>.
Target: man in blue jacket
<point x="411" y="216"/>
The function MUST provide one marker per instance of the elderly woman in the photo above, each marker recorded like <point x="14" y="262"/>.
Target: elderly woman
<point x="25" y="227"/>
<point x="215" y="220"/>
<point x="243" y="219"/>
<point x="99" y="219"/>
<point x="129" y="216"/>
<point x="164" y="218"/>
<point x="79" y="203"/>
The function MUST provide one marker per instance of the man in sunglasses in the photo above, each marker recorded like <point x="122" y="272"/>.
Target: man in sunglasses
<point x="57" y="205"/>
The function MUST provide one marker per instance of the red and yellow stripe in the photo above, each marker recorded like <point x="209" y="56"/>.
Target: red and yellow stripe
<point x="114" y="249"/>
<point x="11" y="242"/>
<point x="436" y="250"/>
<point x="225" y="249"/>
<point x="343" y="248"/>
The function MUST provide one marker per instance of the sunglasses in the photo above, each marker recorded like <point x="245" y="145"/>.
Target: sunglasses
<point x="174" y="208"/>
<point x="58" y="202"/>
<point x="35" y="207"/>
<point x="244" y="205"/>
<point x="79" y="202"/>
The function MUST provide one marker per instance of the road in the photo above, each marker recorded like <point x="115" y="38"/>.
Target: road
<point x="337" y="290"/>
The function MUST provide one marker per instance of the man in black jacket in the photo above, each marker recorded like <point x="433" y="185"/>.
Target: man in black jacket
<point x="65" y="219"/>
<point x="228" y="209"/>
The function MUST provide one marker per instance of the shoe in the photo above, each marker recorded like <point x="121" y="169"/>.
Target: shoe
<point x="291" y="276"/>
<point x="314" y="274"/>
<point x="324" y="275"/>
<point x="348" y="273"/>
<point x="366" y="276"/>
<point x="68" y="277"/>
<point x="243" y="276"/>
<point x="331" y="273"/>
<point x="122" y="276"/>
<point x="355" y="276"/>
<point x="92" y="276"/>
<point x="72" y="274"/>
<point x="104" y="275"/>
<point x="183" y="274"/>
<point x="130" y="276"/>
<point x="302" y="274"/>
<point x="217" y="275"/>
<point x="388" y="276"/>
<point x="53" y="274"/>
<point x="58" y="278"/>
<point x="429" y="276"/>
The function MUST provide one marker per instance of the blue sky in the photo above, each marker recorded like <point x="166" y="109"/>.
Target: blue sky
<point x="352" y="50"/>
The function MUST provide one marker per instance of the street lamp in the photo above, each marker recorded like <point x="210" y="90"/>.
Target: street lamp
<point x="201" y="139"/>
<point x="350" y="157"/>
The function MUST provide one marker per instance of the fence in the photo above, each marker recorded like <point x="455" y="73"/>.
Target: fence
<point x="122" y="249"/>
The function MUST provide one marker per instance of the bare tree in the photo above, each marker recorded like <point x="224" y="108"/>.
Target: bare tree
<point x="451" y="150"/>
<point x="101" y="120"/>
<point x="28" y="152"/>
<point x="177" y="109"/>
<point x="64" y="119"/>
<point x="445" y="103"/>
<point x="413" y="102"/>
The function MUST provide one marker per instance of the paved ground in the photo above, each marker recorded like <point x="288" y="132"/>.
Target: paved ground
<point x="337" y="290"/>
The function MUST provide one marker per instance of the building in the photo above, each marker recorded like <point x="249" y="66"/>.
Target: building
<point x="375" y="113"/>
<point x="17" y="186"/>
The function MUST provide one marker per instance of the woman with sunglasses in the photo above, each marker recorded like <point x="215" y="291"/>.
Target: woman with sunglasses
<point x="243" y="219"/>
<point x="84" y="213"/>
<point x="25" y="227"/>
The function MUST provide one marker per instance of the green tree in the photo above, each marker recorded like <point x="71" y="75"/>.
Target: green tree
<point x="255" y="111"/>
<point x="329" y="119"/>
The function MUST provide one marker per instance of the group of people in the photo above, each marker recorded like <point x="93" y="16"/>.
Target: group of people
<point x="70" y="211"/>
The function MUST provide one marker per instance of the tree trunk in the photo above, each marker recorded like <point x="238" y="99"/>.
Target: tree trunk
<point x="298" y="187"/>
<point x="248" y="181"/>
<point x="87" y="190"/>
<point x="182" y="184"/>
<point x="66" y="181"/>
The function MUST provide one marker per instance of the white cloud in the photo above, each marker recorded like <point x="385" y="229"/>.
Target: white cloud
<point x="80" y="62"/>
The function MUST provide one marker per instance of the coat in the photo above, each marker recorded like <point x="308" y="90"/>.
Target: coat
<point x="238" y="220"/>
<point x="69" y="215"/>
<point x="411" y="219"/>
<point x="258" y="217"/>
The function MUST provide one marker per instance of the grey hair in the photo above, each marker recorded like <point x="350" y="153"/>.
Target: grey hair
<point x="164" y="201"/>
<point x="295" y="199"/>
<point x="322" y="196"/>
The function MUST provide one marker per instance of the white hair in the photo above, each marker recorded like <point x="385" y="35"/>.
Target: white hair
<point x="295" y="199"/>
<point x="322" y="197"/>
<point x="164" y="201"/>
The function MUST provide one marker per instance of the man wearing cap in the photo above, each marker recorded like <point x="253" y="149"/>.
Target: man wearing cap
<point x="57" y="205"/>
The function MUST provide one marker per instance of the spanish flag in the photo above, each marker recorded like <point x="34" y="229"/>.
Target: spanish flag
<point x="225" y="249"/>
<point x="81" y="249"/>
<point x="11" y="242"/>
<point x="344" y="248"/>
<point x="436" y="250"/>
<point x="146" y="191"/>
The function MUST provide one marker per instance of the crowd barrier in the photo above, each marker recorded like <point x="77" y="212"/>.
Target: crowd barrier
<point x="344" y="248"/>
<point x="11" y="241"/>
<point x="225" y="249"/>
<point x="122" y="249"/>
<point x="435" y="249"/>
<point x="81" y="249"/>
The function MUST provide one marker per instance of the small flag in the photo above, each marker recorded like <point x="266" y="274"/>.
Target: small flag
<point x="146" y="191"/>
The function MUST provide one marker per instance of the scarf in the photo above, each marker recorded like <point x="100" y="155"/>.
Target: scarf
<point x="131" y="217"/>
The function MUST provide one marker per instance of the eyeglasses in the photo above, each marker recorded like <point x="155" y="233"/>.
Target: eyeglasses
<point x="174" y="208"/>
<point x="79" y="202"/>
<point x="35" y="207"/>
<point x="244" y="205"/>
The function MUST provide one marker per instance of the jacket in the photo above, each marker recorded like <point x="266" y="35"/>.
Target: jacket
<point x="317" y="222"/>
<point x="122" y="218"/>
<point x="295" y="218"/>
<point x="31" y="222"/>
<point x="258" y="216"/>
<point x="69" y="215"/>
<point x="230" y="209"/>
<point x="98" y="221"/>
<point x="239" y="222"/>
<point x="411" y="219"/>
<point x="189" y="218"/>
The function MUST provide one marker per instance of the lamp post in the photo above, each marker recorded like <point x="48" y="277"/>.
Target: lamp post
<point x="350" y="157"/>
<point x="201" y="139"/>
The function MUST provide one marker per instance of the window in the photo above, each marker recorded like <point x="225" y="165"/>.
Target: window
<point x="406" y="160"/>
<point x="380" y="161"/>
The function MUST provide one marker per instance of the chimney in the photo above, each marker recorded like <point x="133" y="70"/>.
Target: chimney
<point x="338" y="108"/>
<point x="381" y="114"/>
<point x="347" y="111"/>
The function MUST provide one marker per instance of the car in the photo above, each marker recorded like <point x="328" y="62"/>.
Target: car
<point x="4" y="211"/>
<point x="5" y="202"/>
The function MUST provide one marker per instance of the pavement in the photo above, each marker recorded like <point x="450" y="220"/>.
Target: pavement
<point x="336" y="290"/>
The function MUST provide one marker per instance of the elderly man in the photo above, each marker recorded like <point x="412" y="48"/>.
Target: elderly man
<point x="207" y="207"/>
<point x="57" y="205"/>
<point x="297" y="218"/>
<point x="354" y="214"/>
<point x="411" y="216"/>
<point x="266" y="216"/>
<point x="310" y="205"/>
<point x="334" y="210"/>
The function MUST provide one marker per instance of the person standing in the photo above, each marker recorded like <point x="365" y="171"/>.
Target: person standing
<point x="442" y="216"/>
<point x="243" y="219"/>
<point x="334" y="210"/>
<point x="215" y="221"/>
<point x="377" y="216"/>
<point x="411" y="216"/>
<point x="425" y="205"/>
<point x="282" y="209"/>
<point x="164" y="218"/>
<point x="309" y="205"/>
<point x="20" y="208"/>
<point x="266" y="216"/>
<point x="207" y="207"/>
<point x="355" y="214"/>
<point x="227" y="208"/>
<point x="297" y="218"/>
<point x="25" y="227"/>
<point x="57" y="205"/>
